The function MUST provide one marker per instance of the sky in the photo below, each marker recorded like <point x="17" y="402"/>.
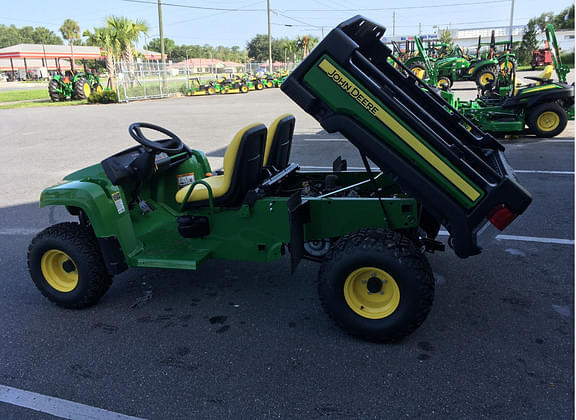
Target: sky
<point x="187" y="25"/>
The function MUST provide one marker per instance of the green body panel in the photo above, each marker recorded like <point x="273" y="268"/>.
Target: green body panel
<point x="339" y="100"/>
<point x="493" y="118"/>
<point x="256" y="232"/>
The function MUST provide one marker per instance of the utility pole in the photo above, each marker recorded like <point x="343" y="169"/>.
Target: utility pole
<point x="394" y="23"/>
<point x="511" y="22"/>
<point x="269" y="39"/>
<point x="162" y="56"/>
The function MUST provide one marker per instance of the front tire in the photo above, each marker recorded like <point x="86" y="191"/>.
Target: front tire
<point x="376" y="284"/>
<point x="547" y="120"/>
<point x="419" y="69"/>
<point x="67" y="267"/>
<point x="486" y="75"/>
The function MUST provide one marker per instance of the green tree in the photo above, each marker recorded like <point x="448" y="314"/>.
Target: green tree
<point x="564" y="19"/>
<point x="529" y="43"/>
<point x="169" y="46"/>
<point x="70" y="31"/>
<point x="9" y="35"/>
<point x="105" y="38"/>
<point x="26" y="35"/>
<point x="43" y="35"/>
<point x="446" y="37"/>
<point x="126" y="33"/>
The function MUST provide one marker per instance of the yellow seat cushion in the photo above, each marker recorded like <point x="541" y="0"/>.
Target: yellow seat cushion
<point x="270" y="136"/>
<point x="200" y="192"/>
<point x="221" y="183"/>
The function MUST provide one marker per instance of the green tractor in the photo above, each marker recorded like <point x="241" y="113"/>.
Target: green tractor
<point x="69" y="86"/>
<point x="544" y="107"/>
<point x="457" y="67"/>
<point x="159" y="205"/>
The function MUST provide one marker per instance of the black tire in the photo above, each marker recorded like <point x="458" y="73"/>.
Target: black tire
<point x="418" y="65"/>
<point x="444" y="80"/>
<point x="547" y="125"/>
<point x="393" y="254"/>
<point x="53" y="91"/>
<point x="484" y="73"/>
<point x="82" y="89"/>
<point x="85" y="260"/>
<point x="259" y="85"/>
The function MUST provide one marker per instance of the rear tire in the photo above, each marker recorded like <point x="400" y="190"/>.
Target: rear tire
<point x="82" y="89"/>
<point x="53" y="91"/>
<point x="547" y="120"/>
<point x="376" y="284"/>
<point x="67" y="267"/>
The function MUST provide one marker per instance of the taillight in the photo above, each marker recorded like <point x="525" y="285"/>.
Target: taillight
<point x="501" y="216"/>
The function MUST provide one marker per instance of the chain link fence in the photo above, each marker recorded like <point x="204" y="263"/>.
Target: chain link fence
<point x="150" y="80"/>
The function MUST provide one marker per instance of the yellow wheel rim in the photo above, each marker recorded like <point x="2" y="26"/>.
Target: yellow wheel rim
<point x="419" y="72"/>
<point x="211" y="91"/>
<point x="548" y="121"/>
<point x="98" y="88"/>
<point x="87" y="89"/>
<point x="244" y="89"/>
<point x="371" y="292"/>
<point x="486" y="78"/>
<point x="59" y="270"/>
<point x="443" y="81"/>
<point x="471" y="70"/>
<point x="269" y="84"/>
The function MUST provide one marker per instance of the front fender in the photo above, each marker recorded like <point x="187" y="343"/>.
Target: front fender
<point x="108" y="217"/>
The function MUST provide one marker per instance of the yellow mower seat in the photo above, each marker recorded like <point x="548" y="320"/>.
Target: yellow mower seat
<point x="546" y="74"/>
<point x="242" y="170"/>
<point x="279" y="142"/>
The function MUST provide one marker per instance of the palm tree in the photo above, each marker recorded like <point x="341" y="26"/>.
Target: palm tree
<point x="104" y="38"/>
<point x="70" y="31"/>
<point x="126" y="32"/>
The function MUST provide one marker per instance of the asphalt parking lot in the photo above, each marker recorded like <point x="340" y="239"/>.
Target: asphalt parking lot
<point x="249" y="340"/>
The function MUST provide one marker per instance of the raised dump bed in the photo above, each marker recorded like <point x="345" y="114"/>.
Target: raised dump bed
<point x="351" y="83"/>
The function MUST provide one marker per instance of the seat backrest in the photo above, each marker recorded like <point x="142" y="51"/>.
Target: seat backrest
<point x="279" y="141"/>
<point x="547" y="73"/>
<point x="243" y="163"/>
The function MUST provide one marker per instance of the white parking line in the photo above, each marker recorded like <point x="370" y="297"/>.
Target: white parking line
<point x="18" y="231"/>
<point x="521" y="171"/>
<point x="557" y="241"/>
<point x="56" y="406"/>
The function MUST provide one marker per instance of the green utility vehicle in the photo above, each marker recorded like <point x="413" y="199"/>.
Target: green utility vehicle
<point x="156" y="205"/>
<point x="544" y="106"/>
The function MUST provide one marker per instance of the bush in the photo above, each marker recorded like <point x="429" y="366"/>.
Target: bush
<point x="104" y="97"/>
<point x="568" y="59"/>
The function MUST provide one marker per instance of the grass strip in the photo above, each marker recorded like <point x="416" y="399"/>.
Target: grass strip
<point x="23" y="95"/>
<point x="40" y="104"/>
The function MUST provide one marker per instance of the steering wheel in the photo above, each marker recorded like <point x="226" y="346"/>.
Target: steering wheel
<point x="171" y="146"/>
